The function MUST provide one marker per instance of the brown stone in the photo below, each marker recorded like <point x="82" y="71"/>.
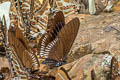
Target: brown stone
<point x="97" y="66"/>
<point x="118" y="78"/>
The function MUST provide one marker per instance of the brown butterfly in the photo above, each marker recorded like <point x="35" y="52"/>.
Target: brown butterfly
<point x="55" y="45"/>
<point x="3" y="36"/>
<point x="21" y="50"/>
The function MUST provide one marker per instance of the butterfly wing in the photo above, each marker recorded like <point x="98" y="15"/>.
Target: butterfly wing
<point x="64" y="40"/>
<point x="54" y="20"/>
<point x="52" y="28"/>
<point x="37" y="5"/>
<point x="114" y="68"/>
<point x="16" y="44"/>
<point x="21" y="37"/>
<point x="67" y="6"/>
<point x="41" y="15"/>
<point x="13" y="15"/>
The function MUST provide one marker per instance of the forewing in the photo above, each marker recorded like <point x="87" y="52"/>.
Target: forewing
<point x="54" y="26"/>
<point x="19" y="35"/>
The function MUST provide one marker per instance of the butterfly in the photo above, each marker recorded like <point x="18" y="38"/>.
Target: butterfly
<point x="21" y="50"/>
<point x="4" y="19"/>
<point x="33" y="19"/>
<point x="56" y="43"/>
<point x="4" y="26"/>
<point x="67" y="6"/>
<point x="31" y="16"/>
<point x="18" y="61"/>
<point x="98" y="6"/>
<point x="114" y="68"/>
<point x="4" y="46"/>
<point x="70" y="6"/>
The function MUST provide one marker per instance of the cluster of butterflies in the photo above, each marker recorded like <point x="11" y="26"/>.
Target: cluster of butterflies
<point x="31" y="20"/>
<point x="31" y="16"/>
<point x="54" y="43"/>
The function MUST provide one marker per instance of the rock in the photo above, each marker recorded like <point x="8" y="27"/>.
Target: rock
<point x="98" y="34"/>
<point x="92" y="67"/>
<point x="118" y="78"/>
<point x="82" y="17"/>
<point x="79" y="51"/>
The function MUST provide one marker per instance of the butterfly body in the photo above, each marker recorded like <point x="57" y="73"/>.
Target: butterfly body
<point x="53" y="63"/>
